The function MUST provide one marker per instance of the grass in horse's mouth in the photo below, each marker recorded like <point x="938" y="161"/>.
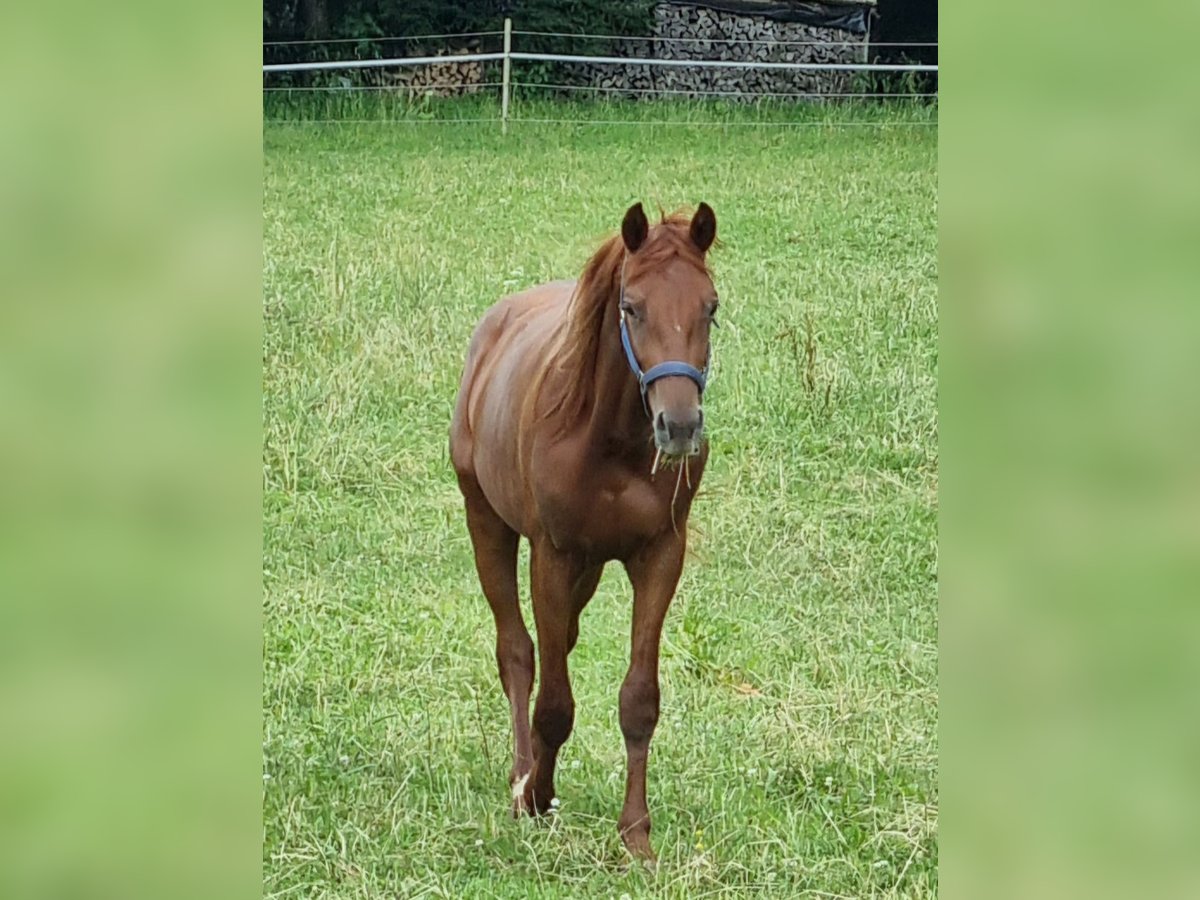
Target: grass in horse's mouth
<point x="669" y="461"/>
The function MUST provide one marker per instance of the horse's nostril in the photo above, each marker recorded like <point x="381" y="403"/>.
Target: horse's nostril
<point x="685" y="429"/>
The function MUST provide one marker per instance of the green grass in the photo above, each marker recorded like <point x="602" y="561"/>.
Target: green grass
<point x="536" y="104"/>
<point x="797" y="750"/>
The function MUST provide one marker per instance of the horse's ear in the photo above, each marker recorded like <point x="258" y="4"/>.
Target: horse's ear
<point x="704" y="227"/>
<point x="635" y="227"/>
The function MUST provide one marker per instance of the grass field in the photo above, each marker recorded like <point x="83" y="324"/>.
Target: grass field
<point x="797" y="750"/>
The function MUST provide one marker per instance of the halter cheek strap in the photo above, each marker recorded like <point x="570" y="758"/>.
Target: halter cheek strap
<point x="663" y="369"/>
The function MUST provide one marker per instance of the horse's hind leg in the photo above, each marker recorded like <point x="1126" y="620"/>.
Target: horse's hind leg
<point x="496" y="562"/>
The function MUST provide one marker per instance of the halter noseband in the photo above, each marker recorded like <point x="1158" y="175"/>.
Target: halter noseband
<point x="663" y="369"/>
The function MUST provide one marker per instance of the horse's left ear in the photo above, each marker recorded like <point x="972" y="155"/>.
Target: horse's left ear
<point x="704" y="227"/>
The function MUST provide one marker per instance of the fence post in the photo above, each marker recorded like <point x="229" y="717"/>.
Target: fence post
<point x="505" y="77"/>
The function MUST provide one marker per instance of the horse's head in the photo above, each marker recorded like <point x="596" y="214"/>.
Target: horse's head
<point x="668" y="304"/>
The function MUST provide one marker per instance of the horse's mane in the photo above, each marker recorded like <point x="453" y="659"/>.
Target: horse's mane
<point x="577" y="342"/>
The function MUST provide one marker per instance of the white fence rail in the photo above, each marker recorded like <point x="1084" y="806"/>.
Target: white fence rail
<point x="722" y="63"/>
<point x="507" y="56"/>
<point x="334" y="65"/>
<point x="599" y="60"/>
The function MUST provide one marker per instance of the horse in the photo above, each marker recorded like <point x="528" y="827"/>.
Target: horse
<point x="576" y="400"/>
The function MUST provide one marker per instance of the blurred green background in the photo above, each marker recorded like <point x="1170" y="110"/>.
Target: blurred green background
<point x="130" y="420"/>
<point x="1070" y="527"/>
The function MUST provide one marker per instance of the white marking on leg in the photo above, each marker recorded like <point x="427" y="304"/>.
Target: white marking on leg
<point x="519" y="786"/>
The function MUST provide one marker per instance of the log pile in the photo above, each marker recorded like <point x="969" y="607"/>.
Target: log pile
<point x="449" y="79"/>
<point x="683" y="32"/>
<point x="696" y="32"/>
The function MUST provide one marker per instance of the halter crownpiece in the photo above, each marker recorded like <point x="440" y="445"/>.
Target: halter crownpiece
<point x="663" y="369"/>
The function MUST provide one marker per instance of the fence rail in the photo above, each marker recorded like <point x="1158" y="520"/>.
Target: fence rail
<point x="381" y="40"/>
<point x="334" y="65"/>
<point x="722" y="63"/>
<point x="507" y="56"/>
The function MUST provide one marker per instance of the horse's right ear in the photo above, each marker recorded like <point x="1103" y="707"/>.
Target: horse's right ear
<point x="635" y="228"/>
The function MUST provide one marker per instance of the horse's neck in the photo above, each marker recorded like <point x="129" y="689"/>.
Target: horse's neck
<point x="617" y="415"/>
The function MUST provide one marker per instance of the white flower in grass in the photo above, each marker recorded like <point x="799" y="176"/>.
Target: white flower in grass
<point x="344" y="760"/>
<point x="478" y="842"/>
<point x="554" y="803"/>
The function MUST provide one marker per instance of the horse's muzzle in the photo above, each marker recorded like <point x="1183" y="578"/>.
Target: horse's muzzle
<point x="679" y="434"/>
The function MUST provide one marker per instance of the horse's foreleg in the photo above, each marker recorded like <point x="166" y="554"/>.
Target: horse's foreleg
<point x="496" y="562"/>
<point x="581" y="594"/>
<point x="654" y="573"/>
<point x="554" y="582"/>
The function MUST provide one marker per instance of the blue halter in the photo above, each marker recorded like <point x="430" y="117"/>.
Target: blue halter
<point x="663" y="369"/>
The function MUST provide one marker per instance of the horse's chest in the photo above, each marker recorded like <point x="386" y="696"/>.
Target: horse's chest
<point x="608" y="514"/>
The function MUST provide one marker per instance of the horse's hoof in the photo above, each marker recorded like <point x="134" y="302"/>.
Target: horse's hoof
<point x="638" y="844"/>
<point x="528" y="799"/>
<point x="536" y="805"/>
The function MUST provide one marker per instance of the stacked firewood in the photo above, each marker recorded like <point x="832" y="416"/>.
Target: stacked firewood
<point x="679" y="32"/>
<point x="441" y="79"/>
<point x="699" y="33"/>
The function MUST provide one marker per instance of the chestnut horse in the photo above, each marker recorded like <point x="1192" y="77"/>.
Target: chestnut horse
<point x="576" y="399"/>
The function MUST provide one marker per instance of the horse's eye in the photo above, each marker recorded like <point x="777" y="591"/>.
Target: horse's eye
<point x="630" y="311"/>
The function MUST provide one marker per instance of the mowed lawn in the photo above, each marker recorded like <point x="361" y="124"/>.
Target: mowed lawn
<point x="796" y="754"/>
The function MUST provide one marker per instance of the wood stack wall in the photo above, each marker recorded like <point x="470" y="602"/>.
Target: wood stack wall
<point x="679" y="32"/>
<point x="715" y="34"/>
